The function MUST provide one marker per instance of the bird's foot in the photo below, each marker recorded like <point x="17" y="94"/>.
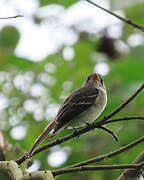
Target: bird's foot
<point x="75" y="132"/>
<point x="89" y="124"/>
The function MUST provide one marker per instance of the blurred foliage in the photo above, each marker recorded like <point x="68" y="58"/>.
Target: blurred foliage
<point x="9" y="37"/>
<point x="57" y="79"/>
<point x="64" y="3"/>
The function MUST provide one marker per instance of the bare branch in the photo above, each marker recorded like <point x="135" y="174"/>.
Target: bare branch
<point x="84" y="130"/>
<point x="124" y="119"/>
<point x="110" y="132"/>
<point x="94" y="168"/>
<point x="128" y="21"/>
<point x="123" y="105"/>
<point x="129" y="174"/>
<point x="109" y="155"/>
<point x="12" y="17"/>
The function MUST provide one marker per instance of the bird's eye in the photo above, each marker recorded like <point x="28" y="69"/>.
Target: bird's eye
<point x="88" y="78"/>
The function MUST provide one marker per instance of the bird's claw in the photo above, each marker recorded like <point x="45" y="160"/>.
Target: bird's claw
<point x="88" y="124"/>
<point x="75" y="132"/>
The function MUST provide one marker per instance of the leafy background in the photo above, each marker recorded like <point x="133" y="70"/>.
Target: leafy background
<point x="31" y="92"/>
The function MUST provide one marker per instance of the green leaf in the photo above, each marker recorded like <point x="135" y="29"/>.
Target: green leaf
<point x="60" y="2"/>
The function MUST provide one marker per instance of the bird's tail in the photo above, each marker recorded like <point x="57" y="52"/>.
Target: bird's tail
<point x="47" y="130"/>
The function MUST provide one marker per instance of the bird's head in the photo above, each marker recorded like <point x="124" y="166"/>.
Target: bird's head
<point x="95" y="80"/>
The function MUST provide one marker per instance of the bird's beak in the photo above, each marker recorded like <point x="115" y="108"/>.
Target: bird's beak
<point x="95" y="76"/>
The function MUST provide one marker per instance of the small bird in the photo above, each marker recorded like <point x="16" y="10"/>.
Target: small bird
<point x="82" y="107"/>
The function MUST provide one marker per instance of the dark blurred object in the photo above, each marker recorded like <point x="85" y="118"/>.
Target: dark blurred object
<point x="107" y="46"/>
<point x="115" y="86"/>
<point x="38" y="20"/>
<point x="9" y="37"/>
<point x="84" y="35"/>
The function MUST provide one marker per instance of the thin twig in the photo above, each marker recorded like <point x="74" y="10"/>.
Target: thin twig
<point x="129" y="174"/>
<point x="123" y="104"/>
<point x="12" y="17"/>
<point x="109" y="155"/>
<point x="84" y="130"/>
<point x="124" y="119"/>
<point x="128" y="21"/>
<point x="110" y="132"/>
<point x="94" y="168"/>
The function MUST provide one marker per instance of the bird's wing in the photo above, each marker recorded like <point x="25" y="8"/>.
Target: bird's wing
<point x="78" y="102"/>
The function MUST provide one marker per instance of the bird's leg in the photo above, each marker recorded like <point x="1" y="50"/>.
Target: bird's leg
<point x="109" y="131"/>
<point x="88" y="124"/>
<point x="75" y="132"/>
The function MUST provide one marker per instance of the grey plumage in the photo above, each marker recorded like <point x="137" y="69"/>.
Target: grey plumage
<point x="79" y="101"/>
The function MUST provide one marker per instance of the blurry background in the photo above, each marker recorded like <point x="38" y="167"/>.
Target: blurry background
<point x="48" y="53"/>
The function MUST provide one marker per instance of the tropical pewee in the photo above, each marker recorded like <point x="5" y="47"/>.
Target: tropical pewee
<point x="83" y="106"/>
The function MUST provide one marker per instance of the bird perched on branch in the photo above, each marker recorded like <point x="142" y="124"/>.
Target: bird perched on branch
<point x="83" y="106"/>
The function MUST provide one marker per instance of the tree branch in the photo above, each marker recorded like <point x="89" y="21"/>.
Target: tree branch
<point x="109" y="155"/>
<point x="124" y="119"/>
<point x="128" y="21"/>
<point x="12" y="17"/>
<point x="123" y="104"/>
<point x="84" y="130"/>
<point x="110" y="132"/>
<point x="94" y="168"/>
<point x="129" y="174"/>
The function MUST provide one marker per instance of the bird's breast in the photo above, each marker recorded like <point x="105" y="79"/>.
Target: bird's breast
<point x="91" y="113"/>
